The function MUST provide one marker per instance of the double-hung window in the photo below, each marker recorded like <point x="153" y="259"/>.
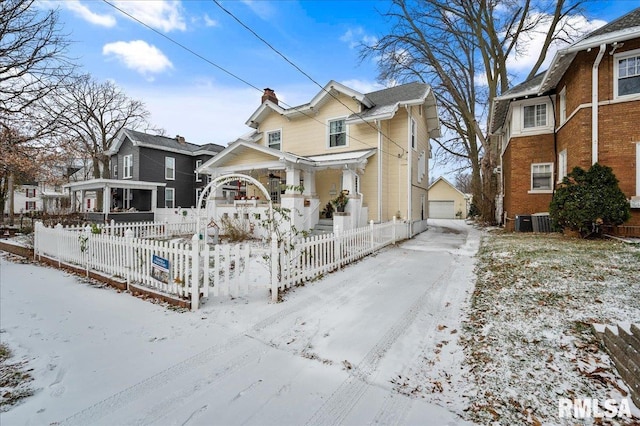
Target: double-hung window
<point x="169" y="168"/>
<point x="127" y="165"/>
<point x="169" y="198"/>
<point x="274" y="139"/>
<point x="542" y="177"/>
<point x="563" y="105"/>
<point x="115" y="170"/>
<point x="31" y="192"/>
<point x="627" y="73"/>
<point x="535" y="115"/>
<point x="198" y="164"/>
<point x="337" y="133"/>
<point x="414" y="130"/>
<point x="562" y="165"/>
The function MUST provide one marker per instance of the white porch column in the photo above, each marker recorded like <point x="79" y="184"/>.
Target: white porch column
<point x="82" y="208"/>
<point x="293" y="180"/>
<point x="154" y="200"/>
<point x="353" y="206"/>
<point x="310" y="183"/>
<point x="312" y="212"/>
<point x="106" y="200"/>
<point x="293" y="200"/>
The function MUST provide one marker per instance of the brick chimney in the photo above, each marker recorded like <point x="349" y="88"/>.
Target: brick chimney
<point x="269" y="94"/>
<point x="181" y="140"/>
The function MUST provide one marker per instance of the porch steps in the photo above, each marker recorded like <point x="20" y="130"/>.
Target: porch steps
<point x="324" y="226"/>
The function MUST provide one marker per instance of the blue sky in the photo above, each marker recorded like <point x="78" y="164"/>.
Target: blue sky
<point x="188" y="96"/>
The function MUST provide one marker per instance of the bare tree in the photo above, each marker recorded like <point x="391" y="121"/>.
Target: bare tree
<point x="460" y="47"/>
<point x="463" y="182"/>
<point x="93" y="114"/>
<point x="32" y="56"/>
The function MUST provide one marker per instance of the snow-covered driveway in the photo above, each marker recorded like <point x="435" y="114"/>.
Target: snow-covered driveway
<point x="330" y="354"/>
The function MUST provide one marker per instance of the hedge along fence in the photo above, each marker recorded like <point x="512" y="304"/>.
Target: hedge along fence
<point x="187" y="270"/>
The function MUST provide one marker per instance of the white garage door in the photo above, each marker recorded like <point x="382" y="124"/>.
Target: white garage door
<point x="442" y="210"/>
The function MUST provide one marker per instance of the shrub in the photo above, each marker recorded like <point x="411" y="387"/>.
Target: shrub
<point x="585" y="200"/>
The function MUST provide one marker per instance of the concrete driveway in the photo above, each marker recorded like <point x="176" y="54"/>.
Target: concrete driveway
<point x="330" y="354"/>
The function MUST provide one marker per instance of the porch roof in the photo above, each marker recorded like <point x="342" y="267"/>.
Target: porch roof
<point x="93" y="184"/>
<point x="280" y="159"/>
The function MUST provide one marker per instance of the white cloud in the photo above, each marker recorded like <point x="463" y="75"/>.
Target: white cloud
<point x="139" y="56"/>
<point x="202" y="113"/>
<point x="85" y="13"/>
<point x="354" y="37"/>
<point x="209" y="22"/>
<point x="263" y="9"/>
<point x="165" y="15"/>
<point x="363" y="86"/>
<point x="528" y="49"/>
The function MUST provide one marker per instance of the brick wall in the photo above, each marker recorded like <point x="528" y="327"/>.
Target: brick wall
<point x="517" y="160"/>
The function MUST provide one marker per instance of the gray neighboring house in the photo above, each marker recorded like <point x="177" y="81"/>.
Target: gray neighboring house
<point x="140" y="156"/>
<point x="148" y="172"/>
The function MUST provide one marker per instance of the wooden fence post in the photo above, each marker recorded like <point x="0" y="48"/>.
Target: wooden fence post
<point x="195" y="272"/>
<point x="393" y="233"/>
<point x="58" y="235"/>
<point x="372" y="238"/>
<point x="128" y="235"/>
<point x="275" y="264"/>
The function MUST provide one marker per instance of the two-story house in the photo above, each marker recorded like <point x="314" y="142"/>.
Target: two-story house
<point x="584" y="109"/>
<point x="148" y="173"/>
<point x="373" y="146"/>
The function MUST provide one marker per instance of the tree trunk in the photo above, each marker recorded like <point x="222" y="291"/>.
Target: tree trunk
<point x="11" y="200"/>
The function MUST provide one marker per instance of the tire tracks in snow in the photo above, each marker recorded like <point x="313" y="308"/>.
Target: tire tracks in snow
<point x="137" y="391"/>
<point x="338" y="406"/>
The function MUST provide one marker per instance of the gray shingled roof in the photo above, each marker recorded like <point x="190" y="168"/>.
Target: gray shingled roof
<point x="385" y="100"/>
<point x="164" y="142"/>
<point x="631" y="19"/>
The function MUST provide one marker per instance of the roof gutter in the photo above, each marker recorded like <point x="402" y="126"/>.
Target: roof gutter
<point x="594" y="104"/>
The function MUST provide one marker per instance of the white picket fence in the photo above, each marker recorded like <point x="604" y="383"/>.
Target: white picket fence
<point x="308" y="258"/>
<point x="191" y="269"/>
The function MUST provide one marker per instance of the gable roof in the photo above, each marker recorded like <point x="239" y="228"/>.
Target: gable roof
<point x="377" y="105"/>
<point x="162" y="143"/>
<point x="619" y="30"/>
<point x="442" y="179"/>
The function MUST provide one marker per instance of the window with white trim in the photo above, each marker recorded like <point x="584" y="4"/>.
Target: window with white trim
<point x="30" y="205"/>
<point x="534" y="115"/>
<point x="30" y="192"/>
<point x="627" y="73"/>
<point x="562" y="165"/>
<point x="422" y="166"/>
<point x="413" y="133"/>
<point x="115" y="170"/>
<point x="169" y="198"/>
<point x="198" y="193"/>
<point x="169" y="168"/>
<point x="127" y="165"/>
<point x="198" y="164"/>
<point x="337" y="133"/>
<point x="563" y="105"/>
<point x="542" y="177"/>
<point x="274" y="139"/>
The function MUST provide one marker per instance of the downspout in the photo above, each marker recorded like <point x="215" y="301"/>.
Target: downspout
<point x="378" y="126"/>
<point x="409" y="166"/>
<point x="594" y="105"/>
<point x="555" y="147"/>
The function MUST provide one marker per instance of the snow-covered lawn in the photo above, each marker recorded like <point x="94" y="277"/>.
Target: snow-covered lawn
<point x="527" y="339"/>
<point x="329" y="353"/>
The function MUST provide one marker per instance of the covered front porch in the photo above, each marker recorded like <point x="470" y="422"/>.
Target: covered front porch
<point x="306" y="186"/>
<point x="121" y="200"/>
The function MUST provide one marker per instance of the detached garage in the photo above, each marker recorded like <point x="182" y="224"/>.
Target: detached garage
<point x="442" y="209"/>
<point x="446" y="201"/>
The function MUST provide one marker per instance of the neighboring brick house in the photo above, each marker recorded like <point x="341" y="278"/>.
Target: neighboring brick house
<point x="148" y="172"/>
<point x="548" y="125"/>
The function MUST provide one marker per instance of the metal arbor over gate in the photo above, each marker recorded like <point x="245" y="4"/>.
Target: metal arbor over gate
<point x="213" y="186"/>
